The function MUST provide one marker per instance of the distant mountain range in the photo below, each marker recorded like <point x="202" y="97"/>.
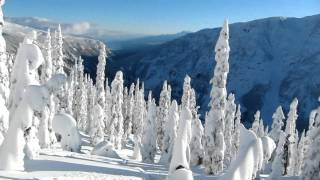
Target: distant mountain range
<point x="115" y="39"/>
<point x="272" y="61"/>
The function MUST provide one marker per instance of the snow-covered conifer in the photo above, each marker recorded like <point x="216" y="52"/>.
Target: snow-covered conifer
<point x="214" y="125"/>
<point x="185" y="99"/>
<point x="34" y="99"/>
<point x="149" y="138"/>
<point x="256" y="123"/>
<point x="59" y="51"/>
<point x="300" y="154"/>
<point x="291" y="138"/>
<point x="4" y="84"/>
<point x="278" y="163"/>
<point x="311" y="168"/>
<point x="127" y="125"/>
<point x="163" y="109"/>
<point x="196" y="146"/>
<point x="116" y="110"/>
<point x="236" y="132"/>
<point x="179" y="166"/>
<point x="229" y="126"/>
<point x="170" y="133"/>
<point x="277" y="124"/>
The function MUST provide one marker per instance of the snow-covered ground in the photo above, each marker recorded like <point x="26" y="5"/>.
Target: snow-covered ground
<point x="59" y="164"/>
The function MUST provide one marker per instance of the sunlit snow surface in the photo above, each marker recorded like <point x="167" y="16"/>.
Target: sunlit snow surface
<point x="59" y="164"/>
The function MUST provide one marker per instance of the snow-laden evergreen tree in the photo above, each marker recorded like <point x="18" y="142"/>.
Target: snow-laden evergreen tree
<point x="179" y="166"/>
<point x="291" y="138"/>
<point x="70" y="92"/>
<point x="170" y="133"/>
<point x="311" y="167"/>
<point x="261" y="128"/>
<point x="256" y="123"/>
<point x="229" y="126"/>
<point x="127" y="125"/>
<point x="100" y="79"/>
<point x="108" y="106"/>
<point x="47" y="115"/>
<point x="163" y="109"/>
<point x="149" y="137"/>
<point x="185" y="99"/>
<point x="4" y="72"/>
<point x="116" y="124"/>
<point x="4" y="83"/>
<point x="278" y="164"/>
<point x="59" y="51"/>
<point x="124" y="110"/>
<point x="24" y="72"/>
<point x="214" y="125"/>
<point x="277" y="124"/>
<point x="34" y="99"/>
<point x="81" y="98"/>
<point x="196" y="146"/>
<point x="141" y="110"/>
<point x="300" y="154"/>
<point x="95" y="123"/>
<point x="236" y="132"/>
<point x="136" y="110"/>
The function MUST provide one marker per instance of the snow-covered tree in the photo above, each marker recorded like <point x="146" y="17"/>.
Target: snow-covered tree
<point x="4" y="83"/>
<point x="100" y="79"/>
<point x="186" y="95"/>
<point x="179" y="166"/>
<point x="277" y="124"/>
<point x="163" y="109"/>
<point x="291" y="138"/>
<point x="236" y="132"/>
<point x="139" y="119"/>
<point x="196" y="146"/>
<point x="33" y="99"/>
<point x="80" y="112"/>
<point x="24" y="72"/>
<point x="149" y="137"/>
<point x="47" y="114"/>
<point x="58" y="45"/>
<point x="229" y="126"/>
<point x="214" y="125"/>
<point x="108" y="106"/>
<point x="300" y="154"/>
<point x="127" y="124"/>
<point x="256" y="123"/>
<point x="170" y="133"/>
<point x="278" y="163"/>
<point x="116" y="124"/>
<point x="311" y="167"/>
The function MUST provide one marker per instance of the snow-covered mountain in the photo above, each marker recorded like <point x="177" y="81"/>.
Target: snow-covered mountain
<point x="272" y="61"/>
<point x="74" y="46"/>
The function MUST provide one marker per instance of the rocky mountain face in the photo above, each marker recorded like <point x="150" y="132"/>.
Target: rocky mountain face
<point x="272" y="61"/>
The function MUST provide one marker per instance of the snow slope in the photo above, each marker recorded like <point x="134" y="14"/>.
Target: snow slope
<point x="270" y="60"/>
<point x="73" y="46"/>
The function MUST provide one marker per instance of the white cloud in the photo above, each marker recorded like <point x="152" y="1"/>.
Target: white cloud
<point x="78" y="28"/>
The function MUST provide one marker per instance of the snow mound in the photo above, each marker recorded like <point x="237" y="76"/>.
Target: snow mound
<point x="181" y="174"/>
<point x="268" y="147"/>
<point x="106" y="149"/>
<point x="66" y="126"/>
<point x="249" y="159"/>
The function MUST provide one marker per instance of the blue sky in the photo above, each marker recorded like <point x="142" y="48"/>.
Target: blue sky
<point x="159" y="16"/>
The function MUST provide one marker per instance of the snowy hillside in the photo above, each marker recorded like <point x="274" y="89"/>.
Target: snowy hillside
<point x="73" y="46"/>
<point x="272" y="61"/>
